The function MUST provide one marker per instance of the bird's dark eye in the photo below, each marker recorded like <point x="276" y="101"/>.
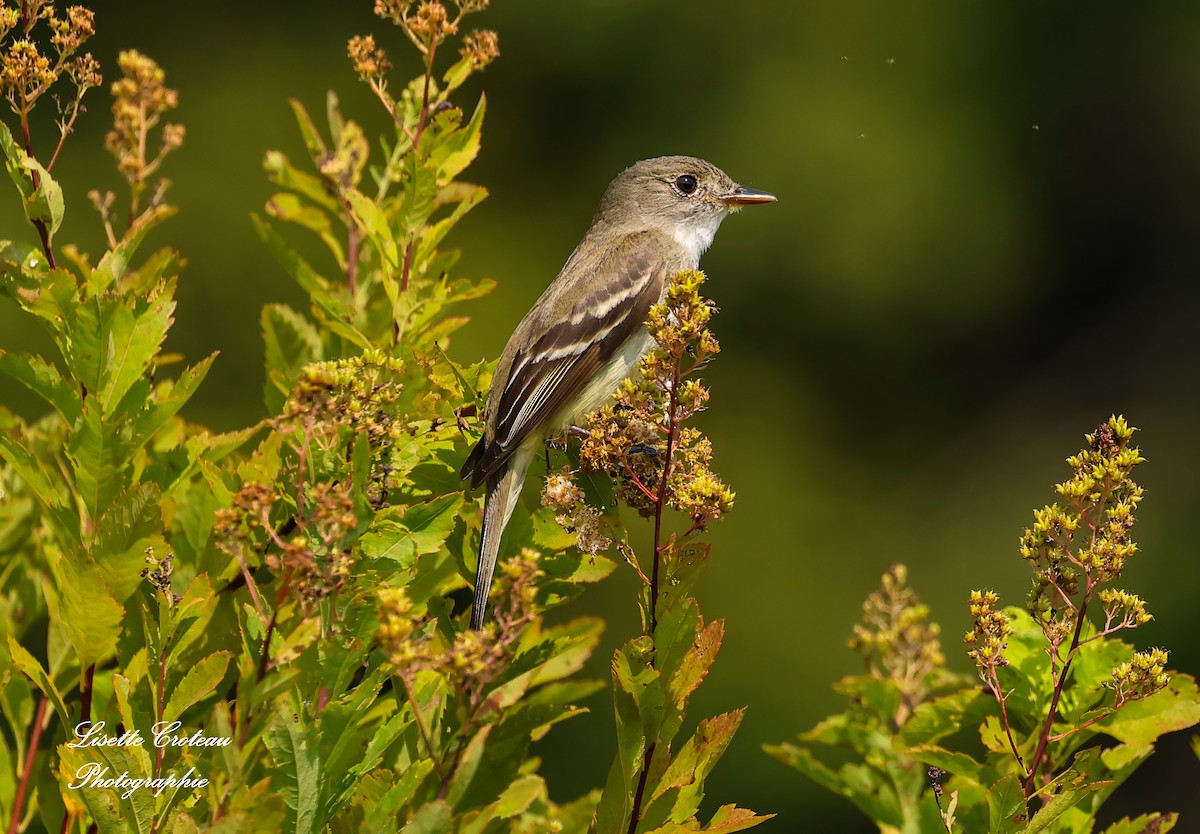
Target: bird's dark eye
<point x="686" y="183"/>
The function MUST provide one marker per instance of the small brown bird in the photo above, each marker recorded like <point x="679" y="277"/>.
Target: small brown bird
<point x="587" y="331"/>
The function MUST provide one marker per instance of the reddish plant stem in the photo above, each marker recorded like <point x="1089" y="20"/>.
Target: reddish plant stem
<point x="35" y="737"/>
<point x="660" y="505"/>
<point x="85" y="689"/>
<point x="1044" y="737"/>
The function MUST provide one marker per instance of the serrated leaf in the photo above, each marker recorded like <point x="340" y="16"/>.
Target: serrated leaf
<point x="113" y="811"/>
<point x="98" y="454"/>
<point x="32" y="471"/>
<point x="697" y="662"/>
<point x="338" y="312"/>
<point x="404" y="533"/>
<point x="694" y="761"/>
<point x="454" y="153"/>
<point x="43" y="379"/>
<point x="28" y="665"/>
<point x="89" y="615"/>
<point x="113" y="345"/>
<point x="1174" y="708"/>
<point x="434" y="235"/>
<point x="1006" y="806"/>
<point x="115" y="262"/>
<point x="293" y="748"/>
<point x="167" y="402"/>
<point x="199" y="683"/>
<point x="730" y="818"/>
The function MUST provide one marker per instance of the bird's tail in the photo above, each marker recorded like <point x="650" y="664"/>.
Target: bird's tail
<point x="503" y="490"/>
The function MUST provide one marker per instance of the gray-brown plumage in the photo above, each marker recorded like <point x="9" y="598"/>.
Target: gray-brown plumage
<point x="587" y="331"/>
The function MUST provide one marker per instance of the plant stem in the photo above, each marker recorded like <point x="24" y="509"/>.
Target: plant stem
<point x="660" y="505"/>
<point x="635" y="815"/>
<point x="994" y="684"/>
<point x="85" y="688"/>
<point x="1059" y="683"/>
<point x="35" y="736"/>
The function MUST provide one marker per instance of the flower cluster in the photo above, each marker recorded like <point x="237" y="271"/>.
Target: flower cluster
<point x="640" y="436"/>
<point x="26" y="72"/>
<point x="158" y="573"/>
<point x="359" y="393"/>
<point x="235" y="527"/>
<point x="1143" y="675"/>
<point x="1074" y="548"/>
<point x="481" y="46"/>
<point x="140" y="99"/>
<point x="469" y="660"/>
<point x="896" y="639"/>
<point x="573" y="513"/>
<point x="989" y="633"/>
<point x="369" y="60"/>
<point x="427" y="24"/>
<point x="315" y="555"/>
<point x="430" y="23"/>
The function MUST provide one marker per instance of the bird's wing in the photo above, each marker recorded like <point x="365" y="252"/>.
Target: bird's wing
<point x="558" y="362"/>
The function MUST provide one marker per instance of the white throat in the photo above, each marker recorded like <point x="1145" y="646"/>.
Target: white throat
<point x="696" y="236"/>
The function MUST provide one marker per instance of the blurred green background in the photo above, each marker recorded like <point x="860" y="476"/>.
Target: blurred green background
<point x="986" y="242"/>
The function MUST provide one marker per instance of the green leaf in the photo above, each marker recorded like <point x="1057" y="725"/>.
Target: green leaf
<point x="292" y="209"/>
<point x="291" y="343"/>
<point x="29" y="666"/>
<point x="431" y="818"/>
<point x="338" y="311"/>
<point x="293" y="748"/>
<point x="98" y="453"/>
<point x="43" y="203"/>
<point x="308" y="129"/>
<point x="453" y="154"/>
<point x="199" y="683"/>
<point x="472" y="195"/>
<point x="730" y="818"/>
<point x="458" y="73"/>
<point x="32" y="471"/>
<point x="1006" y="806"/>
<point x="946" y="715"/>
<point x="404" y="533"/>
<point x="115" y="262"/>
<point x="114" y="343"/>
<point x="1174" y="708"/>
<point x="87" y="611"/>
<point x="1145" y="824"/>
<point x="636" y="687"/>
<point x="43" y="379"/>
<point x="115" y="810"/>
<point x="167" y="402"/>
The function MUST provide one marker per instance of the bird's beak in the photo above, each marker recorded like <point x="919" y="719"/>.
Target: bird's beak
<point x="743" y="196"/>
